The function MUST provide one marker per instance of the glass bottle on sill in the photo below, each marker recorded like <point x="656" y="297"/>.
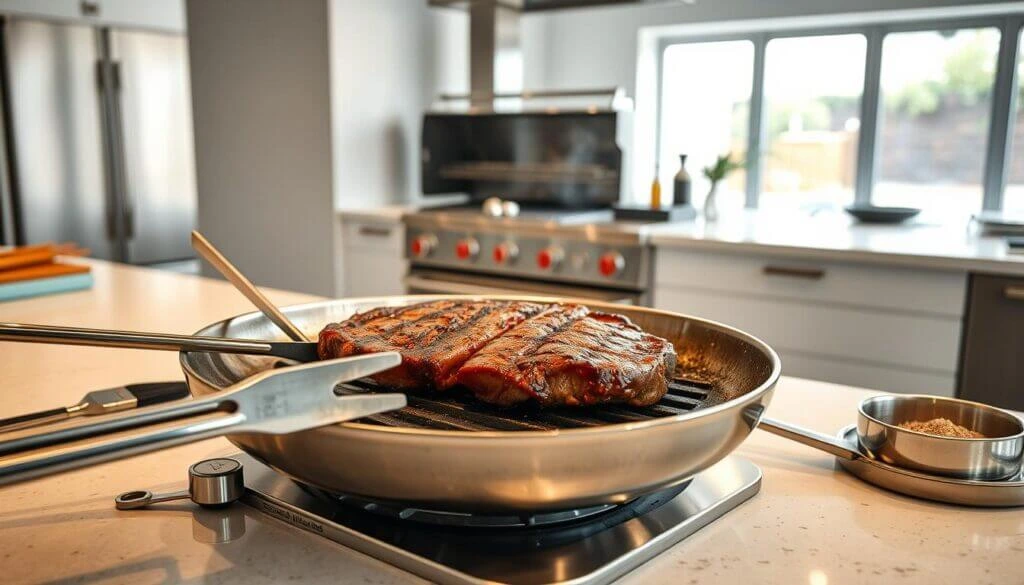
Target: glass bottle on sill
<point x="681" y="184"/>
<point x="656" y="190"/>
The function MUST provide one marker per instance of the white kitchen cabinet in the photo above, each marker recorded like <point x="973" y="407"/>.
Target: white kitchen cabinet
<point x="372" y="256"/>
<point x="874" y="326"/>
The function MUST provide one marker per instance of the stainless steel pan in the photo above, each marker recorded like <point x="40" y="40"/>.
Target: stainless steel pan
<point x="512" y="470"/>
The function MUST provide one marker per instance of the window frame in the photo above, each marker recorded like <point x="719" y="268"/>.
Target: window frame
<point x="999" y="142"/>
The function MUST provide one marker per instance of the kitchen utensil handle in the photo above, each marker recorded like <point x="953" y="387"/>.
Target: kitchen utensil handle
<point x="808" y="437"/>
<point x="129" y="339"/>
<point x="33" y="419"/>
<point x="51" y="452"/>
<point x="224" y="266"/>
<point x="279" y="401"/>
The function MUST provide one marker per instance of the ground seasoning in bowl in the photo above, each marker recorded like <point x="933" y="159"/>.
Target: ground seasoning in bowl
<point x="942" y="427"/>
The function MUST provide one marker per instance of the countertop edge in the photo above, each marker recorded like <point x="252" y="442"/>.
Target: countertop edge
<point x="931" y="262"/>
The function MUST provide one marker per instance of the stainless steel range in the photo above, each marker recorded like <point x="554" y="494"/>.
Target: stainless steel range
<point x="568" y="253"/>
<point x="596" y="545"/>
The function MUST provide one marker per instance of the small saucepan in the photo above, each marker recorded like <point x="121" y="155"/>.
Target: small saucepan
<point x="996" y="456"/>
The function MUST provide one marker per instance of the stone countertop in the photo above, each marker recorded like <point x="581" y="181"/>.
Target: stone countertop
<point x="835" y="237"/>
<point x="811" y="523"/>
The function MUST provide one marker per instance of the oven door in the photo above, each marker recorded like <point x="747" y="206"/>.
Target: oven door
<point x="420" y="281"/>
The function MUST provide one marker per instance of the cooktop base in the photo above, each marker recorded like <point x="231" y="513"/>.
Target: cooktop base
<point x="597" y="549"/>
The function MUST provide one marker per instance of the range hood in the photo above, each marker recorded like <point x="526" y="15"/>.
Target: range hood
<point x="495" y="51"/>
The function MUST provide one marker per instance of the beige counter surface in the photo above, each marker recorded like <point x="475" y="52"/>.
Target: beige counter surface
<point x="810" y="523"/>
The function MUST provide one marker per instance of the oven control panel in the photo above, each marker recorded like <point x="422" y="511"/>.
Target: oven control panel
<point x="557" y="259"/>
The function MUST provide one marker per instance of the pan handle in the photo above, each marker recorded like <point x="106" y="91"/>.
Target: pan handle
<point x="276" y="402"/>
<point x="808" y="437"/>
<point x="129" y="339"/>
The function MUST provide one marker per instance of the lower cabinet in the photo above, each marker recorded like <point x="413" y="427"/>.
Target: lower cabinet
<point x="372" y="257"/>
<point x="853" y="324"/>
<point x="993" y="352"/>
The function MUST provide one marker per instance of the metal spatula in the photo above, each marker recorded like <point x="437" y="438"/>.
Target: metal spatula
<point x="302" y="351"/>
<point x="281" y="401"/>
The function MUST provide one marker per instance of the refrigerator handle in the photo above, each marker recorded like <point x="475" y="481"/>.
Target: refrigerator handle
<point x="120" y="165"/>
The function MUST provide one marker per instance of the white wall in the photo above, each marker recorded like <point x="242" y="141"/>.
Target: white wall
<point x="261" y="110"/>
<point x="617" y="45"/>
<point x="597" y="47"/>
<point x="389" y="60"/>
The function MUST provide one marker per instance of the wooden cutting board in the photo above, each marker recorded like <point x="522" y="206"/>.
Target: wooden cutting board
<point x="40" y="271"/>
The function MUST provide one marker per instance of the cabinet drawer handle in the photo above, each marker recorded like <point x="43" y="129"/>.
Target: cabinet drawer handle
<point x="1014" y="293"/>
<point x="808" y="273"/>
<point x="378" y="232"/>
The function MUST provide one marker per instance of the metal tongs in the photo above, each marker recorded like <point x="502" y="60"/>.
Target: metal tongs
<point x="281" y="401"/>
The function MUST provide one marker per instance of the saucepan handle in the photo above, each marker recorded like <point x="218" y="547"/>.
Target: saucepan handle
<point x="808" y="437"/>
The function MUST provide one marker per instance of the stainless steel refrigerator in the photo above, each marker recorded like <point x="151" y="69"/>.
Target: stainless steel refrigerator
<point x="97" y="140"/>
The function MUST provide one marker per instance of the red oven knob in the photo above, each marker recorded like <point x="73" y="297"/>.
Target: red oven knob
<point x="422" y="246"/>
<point x="505" y="252"/>
<point x="467" y="248"/>
<point x="549" y="258"/>
<point x="611" y="263"/>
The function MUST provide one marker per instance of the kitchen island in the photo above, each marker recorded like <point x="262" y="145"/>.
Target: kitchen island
<point x="810" y="524"/>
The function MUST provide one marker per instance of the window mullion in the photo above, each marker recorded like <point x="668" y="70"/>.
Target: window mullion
<point x="870" y="120"/>
<point x="755" y="130"/>
<point x="1000" y="138"/>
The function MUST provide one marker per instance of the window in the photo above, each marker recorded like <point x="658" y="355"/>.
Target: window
<point x="936" y="89"/>
<point x="705" y="113"/>
<point x="904" y="113"/>
<point x="1013" y="201"/>
<point x="812" y="90"/>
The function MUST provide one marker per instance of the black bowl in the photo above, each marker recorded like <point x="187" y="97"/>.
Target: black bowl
<point x="872" y="214"/>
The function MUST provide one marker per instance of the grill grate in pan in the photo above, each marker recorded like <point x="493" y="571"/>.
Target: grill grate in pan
<point x="455" y="411"/>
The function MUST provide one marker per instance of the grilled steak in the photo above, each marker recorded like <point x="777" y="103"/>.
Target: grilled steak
<point x="571" y="356"/>
<point x="507" y="352"/>
<point x="434" y="338"/>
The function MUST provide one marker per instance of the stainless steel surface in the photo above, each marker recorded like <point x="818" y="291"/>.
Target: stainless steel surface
<point x="581" y="238"/>
<point x="820" y="441"/>
<point x="446" y="283"/>
<point x="245" y="286"/>
<point x="593" y="552"/>
<point x="58" y="138"/>
<point x="102" y="139"/>
<point x="155" y="106"/>
<point x="108" y="74"/>
<point x="293" y="350"/>
<point x="216" y="481"/>
<point x="964" y="492"/>
<point x="513" y="470"/>
<point x="997" y="456"/>
<point x="271" y="403"/>
<point x="212" y="482"/>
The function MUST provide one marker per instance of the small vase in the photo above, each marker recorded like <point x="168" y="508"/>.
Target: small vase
<point x="711" y="203"/>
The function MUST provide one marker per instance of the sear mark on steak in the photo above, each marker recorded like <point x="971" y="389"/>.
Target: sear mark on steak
<point x="571" y="356"/>
<point x="434" y="338"/>
<point x="506" y="352"/>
